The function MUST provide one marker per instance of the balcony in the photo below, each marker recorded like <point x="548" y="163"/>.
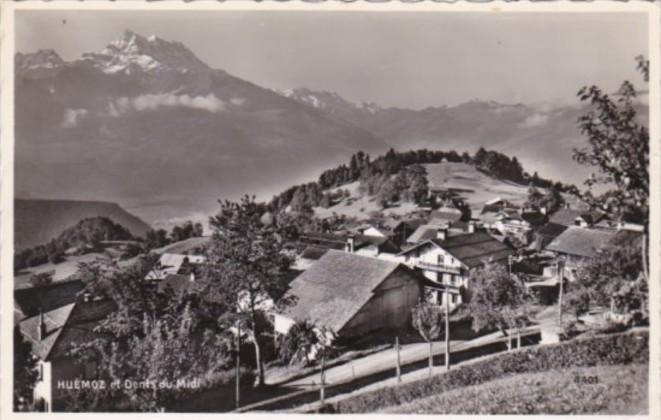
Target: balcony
<point x="441" y="268"/>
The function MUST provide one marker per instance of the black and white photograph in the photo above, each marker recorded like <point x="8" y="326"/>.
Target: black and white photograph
<point x="331" y="209"/>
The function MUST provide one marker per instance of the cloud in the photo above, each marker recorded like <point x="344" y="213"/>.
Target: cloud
<point x="237" y="101"/>
<point x="535" y="120"/>
<point x="151" y="102"/>
<point x="73" y="116"/>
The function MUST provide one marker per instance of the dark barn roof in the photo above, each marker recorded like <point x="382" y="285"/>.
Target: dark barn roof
<point x="582" y="242"/>
<point x="30" y="301"/>
<point x="65" y="326"/>
<point x="336" y="287"/>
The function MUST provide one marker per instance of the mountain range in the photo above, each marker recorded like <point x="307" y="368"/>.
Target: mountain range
<point x="147" y="124"/>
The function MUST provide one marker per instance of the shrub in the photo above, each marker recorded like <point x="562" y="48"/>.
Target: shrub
<point x="598" y="350"/>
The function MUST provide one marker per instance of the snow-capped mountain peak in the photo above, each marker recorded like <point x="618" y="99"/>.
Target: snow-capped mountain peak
<point x="136" y="53"/>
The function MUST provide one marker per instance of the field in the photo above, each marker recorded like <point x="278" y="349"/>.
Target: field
<point x="360" y="206"/>
<point x="587" y="390"/>
<point x="61" y="271"/>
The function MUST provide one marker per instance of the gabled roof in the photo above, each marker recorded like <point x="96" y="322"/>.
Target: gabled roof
<point x="336" y="287"/>
<point x="29" y="301"/>
<point x="582" y="242"/>
<point x="423" y="233"/>
<point x="313" y="252"/>
<point x="64" y="326"/>
<point x="449" y="214"/>
<point x="471" y="249"/>
<point x="565" y="217"/>
<point x="172" y="264"/>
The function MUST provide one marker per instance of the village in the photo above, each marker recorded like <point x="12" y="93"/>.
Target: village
<point x="310" y="212"/>
<point x="357" y="287"/>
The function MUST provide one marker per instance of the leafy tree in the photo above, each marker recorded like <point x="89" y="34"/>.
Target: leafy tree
<point x="618" y="149"/>
<point x="245" y="265"/>
<point x="299" y="342"/>
<point x="613" y="278"/>
<point x="428" y="319"/>
<point x="41" y="279"/>
<point x="551" y="200"/>
<point x="165" y="351"/>
<point x="151" y="336"/>
<point x="497" y="299"/>
<point x="156" y="238"/>
<point x="25" y="372"/>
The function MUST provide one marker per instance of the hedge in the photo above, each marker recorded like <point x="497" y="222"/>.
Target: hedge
<point x="624" y="348"/>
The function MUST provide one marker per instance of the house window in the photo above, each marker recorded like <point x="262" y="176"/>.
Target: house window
<point x="40" y="371"/>
<point x="439" y="259"/>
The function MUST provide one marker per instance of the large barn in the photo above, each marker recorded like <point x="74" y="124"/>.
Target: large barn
<point x="352" y="295"/>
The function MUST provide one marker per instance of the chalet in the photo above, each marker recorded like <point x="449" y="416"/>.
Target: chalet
<point x="544" y="235"/>
<point x="51" y="335"/>
<point x="374" y="231"/>
<point x="173" y="264"/>
<point x="402" y="229"/>
<point x="574" y="217"/>
<point x="577" y="245"/>
<point x="446" y="262"/>
<point x="352" y="295"/>
<point x="449" y="214"/>
<point x="439" y="230"/>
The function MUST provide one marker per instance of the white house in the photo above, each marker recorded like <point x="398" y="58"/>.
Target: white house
<point x="446" y="262"/>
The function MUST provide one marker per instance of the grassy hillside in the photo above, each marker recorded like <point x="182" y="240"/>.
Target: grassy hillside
<point x="474" y="186"/>
<point x="630" y="348"/>
<point x="38" y="221"/>
<point x="618" y="390"/>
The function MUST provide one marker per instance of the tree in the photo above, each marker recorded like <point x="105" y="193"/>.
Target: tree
<point x="614" y="277"/>
<point x="25" y="373"/>
<point x="299" y="342"/>
<point x="41" y="279"/>
<point x="551" y="200"/>
<point x="153" y="336"/>
<point x="245" y="264"/>
<point x="427" y="319"/>
<point x="498" y="299"/>
<point x="618" y="149"/>
<point x="164" y="353"/>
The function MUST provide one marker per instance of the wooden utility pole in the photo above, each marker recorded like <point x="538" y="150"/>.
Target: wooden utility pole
<point x="447" y="335"/>
<point x="399" y="366"/>
<point x="238" y="367"/>
<point x="561" y="275"/>
<point x="323" y="380"/>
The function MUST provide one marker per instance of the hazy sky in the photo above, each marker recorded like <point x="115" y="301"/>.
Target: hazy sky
<point x="394" y="59"/>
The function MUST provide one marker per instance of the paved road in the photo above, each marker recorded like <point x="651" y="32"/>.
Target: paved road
<point x="362" y="372"/>
<point x="387" y="360"/>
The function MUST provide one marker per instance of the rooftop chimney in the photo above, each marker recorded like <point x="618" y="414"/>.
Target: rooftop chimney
<point x="351" y="241"/>
<point x="442" y="234"/>
<point x="471" y="227"/>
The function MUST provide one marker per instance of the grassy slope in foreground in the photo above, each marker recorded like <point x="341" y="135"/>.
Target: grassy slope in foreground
<point x="619" y="391"/>
<point x="601" y="350"/>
